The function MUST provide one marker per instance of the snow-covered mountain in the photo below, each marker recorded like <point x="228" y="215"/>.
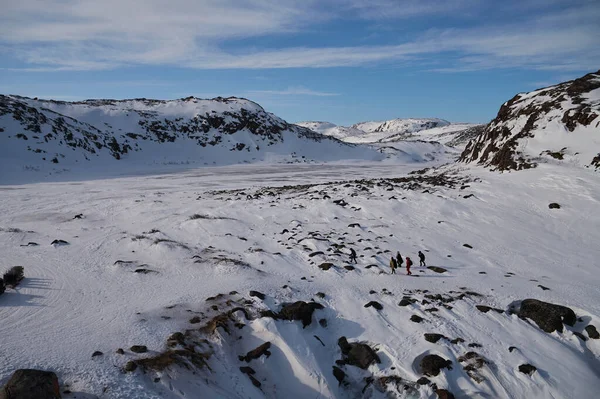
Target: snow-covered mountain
<point x="395" y="130"/>
<point x="559" y="123"/>
<point x="55" y="136"/>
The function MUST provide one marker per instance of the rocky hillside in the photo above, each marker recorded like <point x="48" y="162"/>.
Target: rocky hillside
<point x="395" y="130"/>
<point x="43" y="135"/>
<point x="559" y="123"/>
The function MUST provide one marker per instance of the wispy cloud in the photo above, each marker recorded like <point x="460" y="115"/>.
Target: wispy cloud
<point x="293" y="91"/>
<point x="67" y="35"/>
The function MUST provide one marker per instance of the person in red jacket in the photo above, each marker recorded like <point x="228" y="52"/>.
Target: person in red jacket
<point x="408" y="265"/>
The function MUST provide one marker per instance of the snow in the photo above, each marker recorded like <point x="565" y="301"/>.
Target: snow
<point x="76" y="300"/>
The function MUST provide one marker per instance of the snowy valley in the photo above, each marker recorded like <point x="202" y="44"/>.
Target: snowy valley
<point x="200" y="249"/>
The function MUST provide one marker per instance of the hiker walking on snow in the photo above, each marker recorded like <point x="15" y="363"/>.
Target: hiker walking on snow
<point x="422" y="259"/>
<point x="393" y="265"/>
<point x="408" y="265"/>
<point x="399" y="259"/>
<point x="353" y="255"/>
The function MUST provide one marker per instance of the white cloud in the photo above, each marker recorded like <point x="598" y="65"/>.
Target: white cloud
<point x="94" y="35"/>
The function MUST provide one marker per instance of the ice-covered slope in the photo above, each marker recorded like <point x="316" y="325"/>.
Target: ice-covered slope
<point x="153" y="256"/>
<point x="395" y="130"/>
<point x="559" y="123"/>
<point x="104" y="136"/>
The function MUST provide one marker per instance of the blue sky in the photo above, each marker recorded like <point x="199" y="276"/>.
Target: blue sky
<point x="342" y="61"/>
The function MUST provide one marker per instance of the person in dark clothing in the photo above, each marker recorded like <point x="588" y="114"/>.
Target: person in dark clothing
<point x="399" y="259"/>
<point x="393" y="265"/>
<point x="422" y="259"/>
<point x="408" y="265"/>
<point x="353" y="255"/>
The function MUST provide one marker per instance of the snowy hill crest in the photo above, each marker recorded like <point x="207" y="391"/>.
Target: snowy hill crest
<point x="559" y="122"/>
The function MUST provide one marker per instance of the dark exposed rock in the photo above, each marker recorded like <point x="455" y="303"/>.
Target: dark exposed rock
<point x="130" y="366"/>
<point x="315" y="254"/>
<point x="423" y="381"/>
<point x="323" y="323"/>
<point x="257" y="352"/>
<point x="485" y="309"/>
<point x="444" y="394"/>
<point x="432" y="364"/>
<point x="354" y="225"/>
<point x="175" y="339"/>
<point x="433" y="337"/>
<point x="320" y="295"/>
<point x="57" y="243"/>
<point x="325" y="266"/>
<point x="543" y="288"/>
<point x="299" y="311"/>
<point x="257" y="294"/>
<point x="357" y="354"/>
<point x="527" y="369"/>
<point x="467" y="246"/>
<point x="592" y="332"/>
<point x="31" y="384"/>
<point x="457" y="341"/>
<point x="374" y="304"/>
<point x="549" y="317"/>
<point x="554" y="205"/>
<point x="139" y="349"/>
<point x="437" y="269"/>
<point x="349" y="267"/>
<point x="339" y="374"/>
<point x="120" y="351"/>
<point x="195" y="320"/>
<point x="512" y="348"/>
<point x="97" y="353"/>
<point x="416" y="319"/>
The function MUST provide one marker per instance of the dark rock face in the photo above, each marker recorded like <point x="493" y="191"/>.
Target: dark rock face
<point x="339" y="374"/>
<point x="357" y="354"/>
<point x="498" y="145"/>
<point x="527" y="369"/>
<point x="549" y="317"/>
<point x="444" y="394"/>
<point x="374" y="304"/>
<point x="423" y="381"/>
<point x="31" y="384"/>
<point x="325" y="266"/>
<point x="299" y="311"/>
<point x="431" y="365"/>
<point x="485" y="309"/>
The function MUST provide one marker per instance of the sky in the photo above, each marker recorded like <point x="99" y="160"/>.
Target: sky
<point x="342" y="61"/>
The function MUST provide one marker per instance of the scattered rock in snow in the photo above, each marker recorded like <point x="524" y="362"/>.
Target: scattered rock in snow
<point x="257" y="294"/>
<point x="97" y="353"/>
<point x="30" y="244"/>
<point x="31" y="384"/>
<point x="120" y="351"/>
<point x="432" y="364"/>
<point x="437" y="269"/>
<point x="257" y="352"/>
<point x="374" y="304"/>
<point x="433" y="337"/>
<point x="320" y="295"/>
<point x="177" y="338"/>
<point x="467" y="246"/>
<point x="139" y="349"/>
<point x="58" y="243"/>
<point x="512" y="348"/>
<point x="406" y="300"/>
<point x="549" y="317"/>
<point x="485" y="309"/>
<point x="527" y="369"/>
<point x="357" y="354"/>
<point x="195" y="320"/>
<point x="349" y="267"/>
<point x="457" y="341"/>
<point x="323" y="322"/>
<point x="316" y="253"/>
<point x="325" y="266"/>
<point x="543" y="288"/>
<point x="423" y="381"/>
<point x="416" y="319"/>
<point x="130" y="366"/>
<point x="554" y="205"/>
<point x="592" y="332"/>
<point x="78" y="216"/>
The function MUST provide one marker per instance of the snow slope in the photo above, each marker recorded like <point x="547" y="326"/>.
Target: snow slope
<point x="430" y="129"/>
<point x="559" y="123"/>
<point x="41" y="140"/>
<point x="216" y="230"/>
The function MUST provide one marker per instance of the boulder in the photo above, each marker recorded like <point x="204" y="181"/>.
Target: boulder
<point x="416" y="319"/>
<point x="299" y="311"/>
<point x="339" y="374"/>
<point x="548" y="316"/>
<point x="139" y="349"/>
<point x="433" y="337"/>
<point x="325" y="266"/>
<point x="432" y="364"/>
<point x="592" y="332"/>
<point x="437" y="269"/>
<point x="527" y="369"/>
<point x="357" y="354"/>
<point x="374" y="304"/>
<point x="31" y="384"/>
<point x="554" y="205"/>
<point x="423" y="381"/>
<point x="257" y="294"/>
<point x="444" y="394"/>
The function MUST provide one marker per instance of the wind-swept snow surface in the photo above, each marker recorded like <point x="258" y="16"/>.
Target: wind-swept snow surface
<point x="151" y="256"/>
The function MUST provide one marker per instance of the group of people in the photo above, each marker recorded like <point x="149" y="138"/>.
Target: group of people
<point x="395" y="262"/>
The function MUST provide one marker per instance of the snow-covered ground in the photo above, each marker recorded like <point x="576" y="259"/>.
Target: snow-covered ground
<point x="86" y="297"/>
